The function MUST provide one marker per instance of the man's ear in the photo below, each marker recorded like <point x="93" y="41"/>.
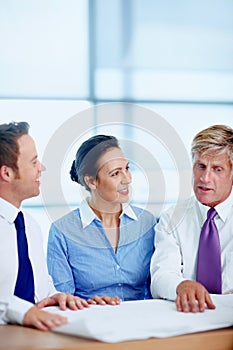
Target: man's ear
<point x="90" y="182"/>
<point x="6" y="173"/>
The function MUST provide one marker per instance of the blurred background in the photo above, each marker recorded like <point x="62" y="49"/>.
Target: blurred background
<point x="171" y="58"/>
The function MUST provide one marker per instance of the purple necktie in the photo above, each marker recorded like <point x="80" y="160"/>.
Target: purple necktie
<point x="209" y="271"/>
<point x="24" y="287"/>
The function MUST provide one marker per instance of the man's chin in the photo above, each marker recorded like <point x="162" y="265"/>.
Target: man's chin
<point x="204" y="200"/>
<point x="35" y="194"/>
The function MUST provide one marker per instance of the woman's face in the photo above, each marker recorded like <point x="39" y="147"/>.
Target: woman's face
<point x="113" y="177"/>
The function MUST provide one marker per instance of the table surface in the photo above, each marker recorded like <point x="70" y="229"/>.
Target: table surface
<point x="19" y="337"/>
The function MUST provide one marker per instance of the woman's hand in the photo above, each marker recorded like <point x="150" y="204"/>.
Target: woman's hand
<point x="64" y="300"/>
<point x="104" y="300"/>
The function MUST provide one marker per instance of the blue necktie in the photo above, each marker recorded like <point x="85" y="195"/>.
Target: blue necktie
<point x="24" y="287"/>
<point x="209" y="270"/>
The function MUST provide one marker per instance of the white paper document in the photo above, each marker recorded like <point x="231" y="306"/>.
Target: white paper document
<point x="135" y="320"/>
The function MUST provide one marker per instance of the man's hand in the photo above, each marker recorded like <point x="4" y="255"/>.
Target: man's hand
<point x="192" y="297"/>
<point x="103" y="300"/>
<point x="42" y="320"/>
<point x="64" y="300"/>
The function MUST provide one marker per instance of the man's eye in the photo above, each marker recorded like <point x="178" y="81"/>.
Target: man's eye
<point x="200" y="166"/>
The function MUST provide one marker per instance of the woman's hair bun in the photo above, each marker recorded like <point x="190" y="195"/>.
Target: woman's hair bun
<point x="73" y="173"/>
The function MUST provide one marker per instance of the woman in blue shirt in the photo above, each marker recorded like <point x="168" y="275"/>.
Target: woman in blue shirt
<point x="104" y="247"/>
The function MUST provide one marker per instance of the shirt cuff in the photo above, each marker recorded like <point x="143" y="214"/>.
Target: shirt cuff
<point x="165" y="288"/>
<point x="14" y="309"/>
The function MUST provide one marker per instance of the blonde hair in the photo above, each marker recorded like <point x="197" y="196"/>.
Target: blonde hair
<point x="215" y="139"/>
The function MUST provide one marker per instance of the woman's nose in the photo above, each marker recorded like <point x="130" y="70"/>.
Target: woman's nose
<point x="127" y="177"/>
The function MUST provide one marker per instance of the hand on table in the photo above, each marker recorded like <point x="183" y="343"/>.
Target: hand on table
<point x="192" y="297"/>
<point x="42" y="320"/>
<point x="104" y="300"/>
<point x="64" y="300"/>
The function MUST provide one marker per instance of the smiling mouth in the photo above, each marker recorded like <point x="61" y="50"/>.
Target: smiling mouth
<point x="125" y="191"/>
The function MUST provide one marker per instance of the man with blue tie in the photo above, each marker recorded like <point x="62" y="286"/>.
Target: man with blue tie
<point x="25" y="285"/>
<point x="194" y="239"/>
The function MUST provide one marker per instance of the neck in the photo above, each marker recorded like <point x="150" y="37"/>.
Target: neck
<point x="108" y="215"/>
<point x="11" y="198"/>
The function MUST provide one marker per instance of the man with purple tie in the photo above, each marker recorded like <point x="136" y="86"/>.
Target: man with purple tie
<point x="194" y="239"/>
<point x="25" y="285"/>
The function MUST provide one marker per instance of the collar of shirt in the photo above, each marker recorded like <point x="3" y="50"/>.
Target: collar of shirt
<point x="223" y="209"/>
<point x="8" y="211"/>
<point x="87" y="215"/>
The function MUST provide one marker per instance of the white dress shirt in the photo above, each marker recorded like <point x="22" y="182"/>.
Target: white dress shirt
<point x="177" y="240"/>
<point x="12" y="308"/>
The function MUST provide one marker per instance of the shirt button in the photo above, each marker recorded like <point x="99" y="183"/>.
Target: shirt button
<point x="118" y="267"/>
<point x="119" y="284"/>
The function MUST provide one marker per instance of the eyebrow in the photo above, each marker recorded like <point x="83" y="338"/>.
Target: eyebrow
<point x="119" y="168"/>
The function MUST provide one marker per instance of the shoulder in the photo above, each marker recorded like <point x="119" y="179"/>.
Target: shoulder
<point x="142" y="214"/>
<point x="180" y="212"/>
<point x="145" y="221"/>
<point x="67" y="222"/>
<point x="181" y="206"/>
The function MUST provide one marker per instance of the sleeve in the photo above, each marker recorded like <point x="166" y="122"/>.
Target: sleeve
<point x="58" y="261"/>
<point x="166" y="262"/>
<point x="13" y="310"/>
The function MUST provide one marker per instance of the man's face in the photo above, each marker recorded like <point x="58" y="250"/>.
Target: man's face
<point x="26" y="183"/>
<point x="212" y="178"/>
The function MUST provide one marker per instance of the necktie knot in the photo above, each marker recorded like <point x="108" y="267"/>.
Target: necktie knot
<point x="19" y="221"/>
<point x="211" y="213"/>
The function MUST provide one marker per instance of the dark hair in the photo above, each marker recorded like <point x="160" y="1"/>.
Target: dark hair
<point x="87" y="156"/>
<point x="9" y="148"/>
